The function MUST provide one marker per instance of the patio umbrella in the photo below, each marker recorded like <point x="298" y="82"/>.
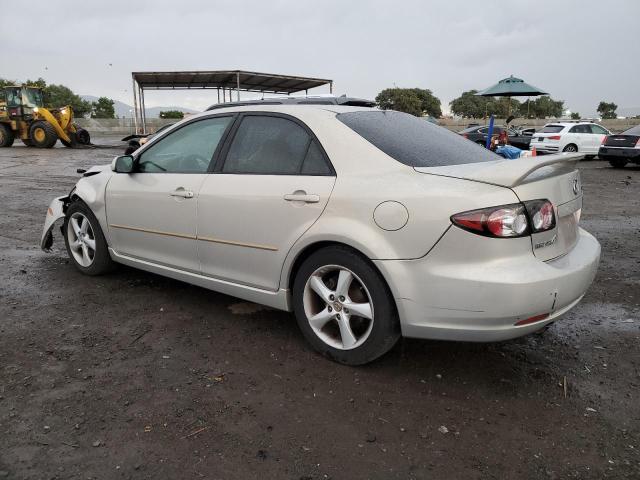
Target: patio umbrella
<point x="511" y="87"/>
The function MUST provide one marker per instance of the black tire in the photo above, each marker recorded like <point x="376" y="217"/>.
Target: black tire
<point x="6" y="135"/>
<point x="27" y="142"/>
<point x="83" y="136"/>
<point x="42" y="134"/>
<point x="385" y="329"/>
<point x="618" y="162"/>
<point x="101" y="262"/>
<point x="572" y="147"/>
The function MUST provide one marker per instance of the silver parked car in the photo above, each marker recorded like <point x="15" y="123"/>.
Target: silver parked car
<point x="367" y="224"/>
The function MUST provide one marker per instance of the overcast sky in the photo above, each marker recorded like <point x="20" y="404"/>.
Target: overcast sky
<point x="580" y="51"/>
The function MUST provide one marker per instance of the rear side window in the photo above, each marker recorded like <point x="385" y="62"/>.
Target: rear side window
<point x="580" y="129"/>
<point x="597" y="129"/>
<point x="274" y="146"/>
<point x="632" y="131"/>
<point x="551" y="129"/>
<point x="414" y="141"/>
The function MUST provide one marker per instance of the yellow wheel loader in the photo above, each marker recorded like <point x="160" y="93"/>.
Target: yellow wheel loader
<point x="23" y="116"/>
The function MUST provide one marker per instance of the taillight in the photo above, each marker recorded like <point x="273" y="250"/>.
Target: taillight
<point x="638" y="143"/>
<point x="508" y="221"/>
<point x="541" y="215"/>
<point x="604" y="140"/>
<point x="465" y="135"/>
<point x="554" y="137"/>
<point x="503" y="222"/>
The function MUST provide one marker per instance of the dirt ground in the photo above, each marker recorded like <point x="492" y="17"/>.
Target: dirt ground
<point x="132" y="375"/>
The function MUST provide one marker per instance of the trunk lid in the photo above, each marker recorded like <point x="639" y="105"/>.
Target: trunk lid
<point x="552" y="177"/>
<point x="621" y="141"/>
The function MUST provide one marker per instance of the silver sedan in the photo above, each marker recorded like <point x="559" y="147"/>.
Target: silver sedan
<point x="368" y="225"/>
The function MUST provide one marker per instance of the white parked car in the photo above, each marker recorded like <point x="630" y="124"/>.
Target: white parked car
<point x="367" y="224"/>
<point x="583" y="137"/>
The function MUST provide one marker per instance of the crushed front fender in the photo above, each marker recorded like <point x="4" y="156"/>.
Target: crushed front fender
<point x="54" y="213"/>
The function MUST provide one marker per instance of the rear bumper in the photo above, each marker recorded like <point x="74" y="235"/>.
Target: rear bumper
<point x="544" y="148"/>
<point x="446" y="297"/>
<point x="630" y="153"/>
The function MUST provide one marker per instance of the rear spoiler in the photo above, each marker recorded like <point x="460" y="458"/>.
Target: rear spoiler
<point x="506" y="173"/>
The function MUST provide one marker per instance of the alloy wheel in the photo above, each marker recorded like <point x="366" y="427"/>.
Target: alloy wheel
<point x="338" y="307"/>
<point x="82" y="239"/>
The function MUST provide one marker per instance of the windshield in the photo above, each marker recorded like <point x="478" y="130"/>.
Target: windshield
<point x="31" y="97"/>
<point x="632" y="131"/>
<point x="552" y="129"/>
<point x="412" y="141"/>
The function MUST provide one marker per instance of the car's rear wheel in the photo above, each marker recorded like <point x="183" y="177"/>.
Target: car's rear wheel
<point x="618" y="162"/>
<point x="85" y="242"/>
<point x="344" y="307"/>
<point x="570" y="148"/>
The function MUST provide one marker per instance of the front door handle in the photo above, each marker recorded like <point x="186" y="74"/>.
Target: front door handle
<point x="302" y="197"/>
<point x="182" y="193"/>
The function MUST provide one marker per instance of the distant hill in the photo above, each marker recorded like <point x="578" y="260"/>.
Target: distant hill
<point x="124" y="110"/>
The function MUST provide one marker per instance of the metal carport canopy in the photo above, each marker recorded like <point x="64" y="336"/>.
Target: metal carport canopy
<point x="225" y="80"/>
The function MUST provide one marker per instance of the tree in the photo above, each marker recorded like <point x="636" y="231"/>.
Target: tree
<point x="575" y="116"/>
<point x="471" y="105"/>
<point x="607" y="110"/>
<point x="415" y="101"/>
<point x="103" y="108"/>
<point x="545" y="106"/>
<point x="59" y="96"/>
<point x="172" y="114"/>
<point x="430" y="103"/>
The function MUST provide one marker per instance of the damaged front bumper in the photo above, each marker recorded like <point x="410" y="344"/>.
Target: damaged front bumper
<point x="54" y="212"/>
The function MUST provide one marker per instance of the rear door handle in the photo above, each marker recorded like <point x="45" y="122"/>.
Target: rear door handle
<point x="182" y="193"/>
<point x="302" y="197"/>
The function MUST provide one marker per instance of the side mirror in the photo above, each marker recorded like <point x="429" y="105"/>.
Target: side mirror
<point x="122" y="164"/>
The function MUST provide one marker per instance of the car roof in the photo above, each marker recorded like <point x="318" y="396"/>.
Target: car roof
<point x="569" y="124"/>
<point x="305" y="100"/>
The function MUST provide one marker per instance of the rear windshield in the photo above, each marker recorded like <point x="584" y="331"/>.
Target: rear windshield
<point x="632" y="131"/>
<point x="414" y="141"/>
<point x="551" y="129"/>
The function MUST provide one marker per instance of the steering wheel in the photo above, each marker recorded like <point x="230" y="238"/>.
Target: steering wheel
<point x="161" y="168"/>
<point x="194" y="162"/>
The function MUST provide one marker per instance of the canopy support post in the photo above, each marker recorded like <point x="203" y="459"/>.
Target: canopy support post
<point x="135" y="105"/>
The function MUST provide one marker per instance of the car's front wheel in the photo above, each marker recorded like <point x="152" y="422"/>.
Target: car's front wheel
<point x="85" y="242"/>
<point x="344" y="307"/>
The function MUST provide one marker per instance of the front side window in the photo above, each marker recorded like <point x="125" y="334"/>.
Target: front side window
<point x="32" y="97"/>
<point x="186" y="150"/>
<point x="270" y="145"/>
